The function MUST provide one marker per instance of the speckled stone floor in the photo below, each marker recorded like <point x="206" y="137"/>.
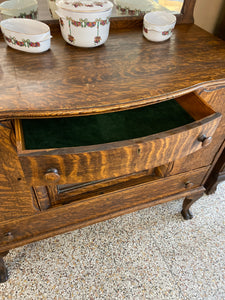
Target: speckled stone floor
<point x="150" y="254"/>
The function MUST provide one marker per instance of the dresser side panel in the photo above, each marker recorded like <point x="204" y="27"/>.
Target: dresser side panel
<point x="16" y="199"/>
<point x="215" y="97"/>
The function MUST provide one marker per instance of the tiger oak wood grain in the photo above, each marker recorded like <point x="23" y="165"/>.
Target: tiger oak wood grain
<point x="15" y="196"/>
<point x="67" y="80"/>
<point x="71" y="192"/>
<point x="185" y="181"/>
<point x="83" y="164"/>
<point x="42" y="196"/>
<point x="98" y="208"/>
<point x="215" y="97"/>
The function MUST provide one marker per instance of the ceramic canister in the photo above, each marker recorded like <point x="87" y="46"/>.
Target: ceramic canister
<point x="84" y="23"/>
<point x="158" y="25"/>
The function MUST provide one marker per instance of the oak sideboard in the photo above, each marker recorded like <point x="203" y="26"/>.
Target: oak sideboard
<point x="91" y="134"/>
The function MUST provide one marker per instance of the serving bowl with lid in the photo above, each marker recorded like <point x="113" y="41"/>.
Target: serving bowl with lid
<point x="158" y="25"/>
<point x="84" y="23"/>
<point x="26" y="35"/>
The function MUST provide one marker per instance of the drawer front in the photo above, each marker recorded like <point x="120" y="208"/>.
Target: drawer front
<point x="110" y="160"/>
<point x="98" y="208"/>
<point x="153" y="186"/>
<point x="115" y="160"/>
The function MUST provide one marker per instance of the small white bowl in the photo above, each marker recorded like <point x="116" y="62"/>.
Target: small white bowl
<point x="84" y="23"/>
<point x="26" y="35"/>
<point x="158" y="26"/>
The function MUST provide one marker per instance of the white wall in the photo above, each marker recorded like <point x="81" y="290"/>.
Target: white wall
<point x="206" y="13"/>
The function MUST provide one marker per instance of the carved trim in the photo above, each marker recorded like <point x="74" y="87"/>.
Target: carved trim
<point x="213" y="89"/>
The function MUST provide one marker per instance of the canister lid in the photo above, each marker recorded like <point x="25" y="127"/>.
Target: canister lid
<point x="85" y="5"/>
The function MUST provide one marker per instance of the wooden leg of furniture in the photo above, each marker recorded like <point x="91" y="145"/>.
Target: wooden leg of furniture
<point x="216" y="176"/>
<point x="187" y="203"/>
<point x="213" y="182"/>
<point x="3" y="269"/>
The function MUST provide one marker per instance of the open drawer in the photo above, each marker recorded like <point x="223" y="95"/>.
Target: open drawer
<point x="89" y="148"/>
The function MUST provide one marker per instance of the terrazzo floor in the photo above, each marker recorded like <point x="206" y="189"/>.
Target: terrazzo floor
<point x="151" y="254"/>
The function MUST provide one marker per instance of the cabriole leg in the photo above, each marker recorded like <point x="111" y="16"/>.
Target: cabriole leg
<point x="188" y="201"/>
<point x="3" y="269"/>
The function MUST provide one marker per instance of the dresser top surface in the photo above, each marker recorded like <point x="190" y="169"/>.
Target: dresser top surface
<point x="128" y="71"/>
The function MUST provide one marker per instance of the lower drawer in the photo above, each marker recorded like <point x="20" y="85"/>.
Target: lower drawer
<point x="148" y="186"/>
<point x="98" y="208"/>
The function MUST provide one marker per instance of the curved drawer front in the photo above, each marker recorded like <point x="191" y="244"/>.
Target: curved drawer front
<point x="109" y="160"/>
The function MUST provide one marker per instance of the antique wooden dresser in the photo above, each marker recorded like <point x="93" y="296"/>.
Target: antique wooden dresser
<point x="90" y="134"/>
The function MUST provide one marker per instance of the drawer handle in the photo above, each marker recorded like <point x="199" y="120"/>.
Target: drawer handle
<point x="7" y="237"/>
<point x="205" y="140"/>
<point x="189" y="184"/>
<point x="52" y="175"/>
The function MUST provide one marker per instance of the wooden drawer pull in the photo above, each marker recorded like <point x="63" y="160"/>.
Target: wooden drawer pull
<point x="7" y="237"/>
<point x="205" y="140"/>
<point x="52" y="175"/>
<point x="189" y="184"/>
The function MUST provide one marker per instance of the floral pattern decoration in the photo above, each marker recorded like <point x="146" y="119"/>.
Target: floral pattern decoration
<point x="130" y="12"/>
<point x="163" y="33"/>
<point x="70" y="37"/>
<point x="85" y="23"/>
<point x="31" y="15"/>
<point x="24" y="43"/>
<point x="96" y="3"/>
<point x="61" y="22"/>
<point x="145" y="30"/>
<point x="167" y="32"/>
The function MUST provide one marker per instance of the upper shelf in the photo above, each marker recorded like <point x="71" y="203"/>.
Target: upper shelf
<point x="128" y="71"/>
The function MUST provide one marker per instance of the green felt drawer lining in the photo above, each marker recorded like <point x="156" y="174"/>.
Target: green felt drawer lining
<point x="103" y="128"/>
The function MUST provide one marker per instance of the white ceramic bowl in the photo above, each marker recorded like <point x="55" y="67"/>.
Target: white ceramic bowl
<point x="26" y="35"/>
<point x="158" y="26"/>
<point x="19" y="9"/>
<point x="84" y="23"/>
